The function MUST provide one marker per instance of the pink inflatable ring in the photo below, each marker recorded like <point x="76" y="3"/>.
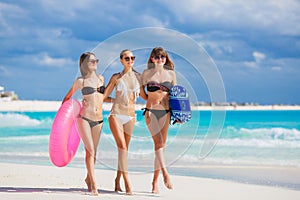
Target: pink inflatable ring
<point x="64" y="136"/>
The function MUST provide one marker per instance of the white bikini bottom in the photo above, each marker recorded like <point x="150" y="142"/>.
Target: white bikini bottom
<point x="123" y="118"/>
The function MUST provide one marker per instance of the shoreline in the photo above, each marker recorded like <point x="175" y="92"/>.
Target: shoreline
<point x="281" y="176"/>
<point x="53" y="106"/>
<point x="22" y="181"/>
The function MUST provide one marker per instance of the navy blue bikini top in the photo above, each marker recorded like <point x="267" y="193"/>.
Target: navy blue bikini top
<point x="154" y="86"/>
<point x="90" y="90"/>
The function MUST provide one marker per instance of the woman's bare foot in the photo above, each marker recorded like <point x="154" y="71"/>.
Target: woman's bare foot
<point x="117" y="186"/>
<point x="94" y="191"/>
<point x="168" y="183"/>
<point x="128" y="189"/>
<point x="88" y="183"/>
<point x="129" y="192"/>
<point x="154" y="188"/>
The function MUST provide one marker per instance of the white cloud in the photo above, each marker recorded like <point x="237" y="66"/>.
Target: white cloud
<point x="276" y="68"/>
<point x="258" y="56"/>
<point x="253" y="65"/>
<point x="9" y="16"/>
<point x="45" y="60"/>
<point x="270" y="16"/>
<point x="66" y="10"/>
<point x="152" y="21"/>
<point x="234" y="33"/>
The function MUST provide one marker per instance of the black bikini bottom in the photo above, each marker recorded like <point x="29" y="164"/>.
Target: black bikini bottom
<point x="91" y="122"/>
<point x="158" y="113"/>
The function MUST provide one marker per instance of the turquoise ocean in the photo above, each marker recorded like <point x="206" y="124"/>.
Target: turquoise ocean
<point x="244" y="138"/>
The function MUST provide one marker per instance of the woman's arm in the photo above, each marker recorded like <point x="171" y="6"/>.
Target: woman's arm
<point x="108" y="100"/>
<point x="72" y="90"/>
<point x="110" y="87"/>
<point x="143" y="93"/>
<point x="174" y="80"/>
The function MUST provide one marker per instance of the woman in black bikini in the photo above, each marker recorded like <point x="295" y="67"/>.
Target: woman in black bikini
<point x="89" y="121"/>
<point x="158" y="78"/>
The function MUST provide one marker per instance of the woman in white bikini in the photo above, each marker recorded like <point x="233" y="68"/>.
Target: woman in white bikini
<point x="122" y="115"/>
<point x="158" y="78"/>
<point x="90" y="118"/>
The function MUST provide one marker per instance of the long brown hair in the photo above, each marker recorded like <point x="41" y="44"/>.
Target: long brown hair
<point x="159" y="51"/>
<point x="84" y="58"/>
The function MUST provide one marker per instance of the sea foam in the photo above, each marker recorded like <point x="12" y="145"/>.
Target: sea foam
<point x="16" y="120"/>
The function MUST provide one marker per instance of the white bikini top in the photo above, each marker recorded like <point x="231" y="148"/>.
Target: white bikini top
<point x="125" y="91"/>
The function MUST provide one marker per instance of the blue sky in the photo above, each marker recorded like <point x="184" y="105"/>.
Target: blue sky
<point x="254" y="44"/>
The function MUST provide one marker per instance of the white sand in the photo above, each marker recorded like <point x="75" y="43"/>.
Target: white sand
<point x="49" y="182"/>
<point x="22" y="106"/>
<point x="35" y="105"/>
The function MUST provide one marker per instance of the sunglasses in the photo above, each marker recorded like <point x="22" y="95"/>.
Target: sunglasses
<point x="94" y="61"/>
<point x="128" y="58"/>
<point x="159" y="57"/>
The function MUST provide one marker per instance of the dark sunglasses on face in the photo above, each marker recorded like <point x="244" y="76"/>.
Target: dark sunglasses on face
<point x="128" y="58"/>
<point x="159" y="57"/>
<point x="94" y="61"/>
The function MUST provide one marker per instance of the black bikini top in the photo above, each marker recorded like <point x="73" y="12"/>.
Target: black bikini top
<point x="90" y="90"/>
<point x="154" y="86"/>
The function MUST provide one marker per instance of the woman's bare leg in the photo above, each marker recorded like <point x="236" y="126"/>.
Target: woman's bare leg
<point x="96" y="133"/>
<point x="117" y="182"/>
<point x="128" y="129"/>
<point x="90" y="140"/>
<point x="159" y="132"/>
<point x="155" y="176"/>
<point x="122" y="140"/>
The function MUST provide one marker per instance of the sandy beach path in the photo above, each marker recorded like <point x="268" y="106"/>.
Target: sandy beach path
<point x="48" y="182"/>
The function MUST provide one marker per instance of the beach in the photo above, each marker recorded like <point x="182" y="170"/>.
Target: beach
<point x="256" y="156"/>
<point x="20" y="181"/>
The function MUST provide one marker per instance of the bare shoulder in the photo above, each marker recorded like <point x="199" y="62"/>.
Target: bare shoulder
<point x="78" y="82"/>
<point x="145" y="75"/>
<point x="116" y="75"/>
<point x="101" y="78"/>
<point x="114" y="78"/>
<point x="138" y="75"/>
<point x="172" y="73"/>
<point x="146" y="72"/>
